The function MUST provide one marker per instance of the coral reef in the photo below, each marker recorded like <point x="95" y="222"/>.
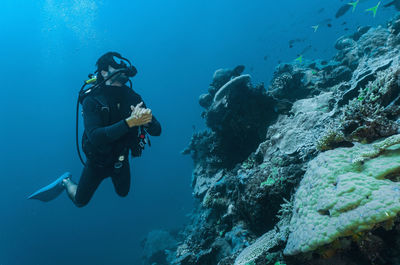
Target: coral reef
<point x="338" y="198"/>
<point x="237" y="126"/>
<point x="157" y="247"/>
<point x="370" y="116"/>
<point x="306" y="172"/>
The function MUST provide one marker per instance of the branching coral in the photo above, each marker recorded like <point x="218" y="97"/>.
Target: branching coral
<point x="286" y="208"/>
<point x="330" y="140"/>
<point x="370" y="116"/>
<point x="378" y="148"/>
<point x="364" y="121"/>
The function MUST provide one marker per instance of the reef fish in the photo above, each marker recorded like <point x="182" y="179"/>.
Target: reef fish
<point x="346" y="7"/>
<point x="395" y="3"/>
<point x="373" y="9"/>
<point x="342" y="10"/>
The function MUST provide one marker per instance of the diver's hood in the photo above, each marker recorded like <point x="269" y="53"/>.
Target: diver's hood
<point x="111" y="58"/>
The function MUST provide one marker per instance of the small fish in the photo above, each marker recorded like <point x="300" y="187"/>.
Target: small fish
<point x="342" y="10"/>
<point x="373" y="9"/>
<point x="329" y="25"/>
<point x="354" y="5"/>
<point x="395" y="3"/>
<point x="315" y="28"/>
<point x="328" y="20"/>
<point x="296" y="40"/>
<point x="321" y="10"/>
<point x="299" y="59"/>
<point x="306" y="49"/>
<point x="265" y="57"/>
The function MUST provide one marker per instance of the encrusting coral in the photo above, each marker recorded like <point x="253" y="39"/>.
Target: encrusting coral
<point x="340" y="197"/>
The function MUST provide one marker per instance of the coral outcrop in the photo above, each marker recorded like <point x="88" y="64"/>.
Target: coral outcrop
<point x="237" y="114"/>
<point x="306" y="172"/>
<point x="158" y="247"/>
<point x="340" y="196"/>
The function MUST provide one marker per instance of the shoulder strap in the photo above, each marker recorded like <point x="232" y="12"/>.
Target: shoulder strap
<point x="103" y="108"/>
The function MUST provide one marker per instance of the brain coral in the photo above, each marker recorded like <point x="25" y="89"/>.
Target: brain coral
<point x="345" y="191"/>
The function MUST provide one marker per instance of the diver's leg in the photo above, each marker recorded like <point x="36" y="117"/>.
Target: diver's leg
<point x="70" y="187"/>
<point x="122" y="179"/>
<point x="81" y="193"/>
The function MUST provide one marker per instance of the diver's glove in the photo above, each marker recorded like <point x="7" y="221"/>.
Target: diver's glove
<point x="139" y="116"/>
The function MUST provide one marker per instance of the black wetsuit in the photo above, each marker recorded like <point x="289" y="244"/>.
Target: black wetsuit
<point x="107" y="137"/>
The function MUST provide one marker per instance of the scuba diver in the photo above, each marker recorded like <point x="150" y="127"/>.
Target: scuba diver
<point x="116" y="122"/>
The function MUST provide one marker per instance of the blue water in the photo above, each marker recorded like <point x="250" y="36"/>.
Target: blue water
<point x="47" y="50"/>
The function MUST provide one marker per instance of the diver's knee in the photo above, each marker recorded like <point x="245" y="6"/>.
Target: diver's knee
<point x="123" y="193"/>
<point x="80" y="203"/>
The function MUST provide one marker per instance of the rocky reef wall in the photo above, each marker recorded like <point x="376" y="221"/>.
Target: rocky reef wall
<point x="305" y="172"/>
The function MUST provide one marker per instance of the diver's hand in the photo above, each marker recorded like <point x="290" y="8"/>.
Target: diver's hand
<point x="139" y="111"/>
<point x="139" y="116"/>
